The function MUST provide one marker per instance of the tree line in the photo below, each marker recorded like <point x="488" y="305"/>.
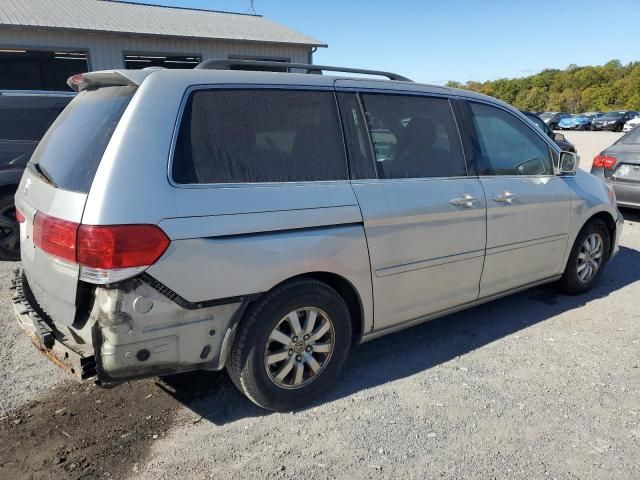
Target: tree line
<point x="612" y="86"/>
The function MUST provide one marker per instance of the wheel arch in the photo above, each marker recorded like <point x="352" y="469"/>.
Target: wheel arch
<point x="610" y="222"/>
<point x="346" y="290"/>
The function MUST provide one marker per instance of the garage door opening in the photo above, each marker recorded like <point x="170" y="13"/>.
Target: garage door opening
<point x="39" y="70"/>
<point x="138" y="61"/>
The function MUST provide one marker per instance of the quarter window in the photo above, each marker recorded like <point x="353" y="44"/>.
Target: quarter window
<point x="507" y="146"/>
<point x="234" y="136"/>
<point x="413" y="136"/>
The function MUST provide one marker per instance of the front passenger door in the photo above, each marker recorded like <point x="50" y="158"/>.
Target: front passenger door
<point x="424" y="216"/>
<point x="528" y="206"/>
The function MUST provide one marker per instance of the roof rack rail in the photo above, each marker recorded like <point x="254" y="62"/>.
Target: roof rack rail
<point x="313" y="69"/>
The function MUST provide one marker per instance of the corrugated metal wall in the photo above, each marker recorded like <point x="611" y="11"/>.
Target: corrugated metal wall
<point x="106" y="51"/>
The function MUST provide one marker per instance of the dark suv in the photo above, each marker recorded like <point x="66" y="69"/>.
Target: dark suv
<point x="24" y="118"/>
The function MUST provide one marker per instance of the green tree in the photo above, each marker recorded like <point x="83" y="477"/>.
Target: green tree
<point x="575" y="89"/>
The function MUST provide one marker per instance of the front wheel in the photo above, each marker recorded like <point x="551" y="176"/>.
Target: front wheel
<point x="291" y="345"/>
<point x="587" y="259"/>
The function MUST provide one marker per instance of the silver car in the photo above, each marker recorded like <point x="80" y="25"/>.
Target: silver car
<point x="266" y="223"/>
<point x="619" y="166"/>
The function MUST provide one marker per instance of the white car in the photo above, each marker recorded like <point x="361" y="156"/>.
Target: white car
<point x="631" y="124"/>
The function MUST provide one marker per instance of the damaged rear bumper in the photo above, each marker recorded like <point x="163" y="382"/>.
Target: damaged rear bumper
<point x="133" y="330"/>
<point x="44" y="336"/>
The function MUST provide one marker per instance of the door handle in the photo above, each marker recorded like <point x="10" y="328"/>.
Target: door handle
<point x="465" y="200"/>
<point x="505" y="197"/>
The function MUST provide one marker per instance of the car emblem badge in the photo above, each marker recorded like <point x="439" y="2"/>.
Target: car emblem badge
<point x="299" y="347"/>
<point x="26" y="188"/>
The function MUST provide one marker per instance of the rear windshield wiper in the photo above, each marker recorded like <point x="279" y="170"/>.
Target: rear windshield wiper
<point x="44" y="174"/>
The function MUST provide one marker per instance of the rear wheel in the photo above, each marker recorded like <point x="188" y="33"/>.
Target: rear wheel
<point x="291" y="345"/>
<point x="587" y="259"/>
<point x="9" y="230"/>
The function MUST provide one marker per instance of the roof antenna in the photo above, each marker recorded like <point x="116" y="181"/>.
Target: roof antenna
<point x="252" y="7"/>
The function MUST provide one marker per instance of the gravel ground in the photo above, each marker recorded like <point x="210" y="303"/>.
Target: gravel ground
<point x="23" y="373"/>
<point x="537" y="385"/>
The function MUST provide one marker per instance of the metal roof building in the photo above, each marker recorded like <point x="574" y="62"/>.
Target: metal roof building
<point x="42" y="42"/>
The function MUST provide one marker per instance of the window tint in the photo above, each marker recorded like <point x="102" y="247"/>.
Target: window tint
<point x="28" y="124"/>
<point x="507" y="145"/>
<point x="358" y="146"/>
<point x="232" y="136"/>
<point x="413" y="136"/>
<point x="72" y="148"/>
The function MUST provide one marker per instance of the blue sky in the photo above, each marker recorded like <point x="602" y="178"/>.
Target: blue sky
<point x="435" y="41"/>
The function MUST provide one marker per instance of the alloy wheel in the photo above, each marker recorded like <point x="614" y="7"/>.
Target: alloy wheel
<point x="299" y="347"/>
<point x="590" y="257"/>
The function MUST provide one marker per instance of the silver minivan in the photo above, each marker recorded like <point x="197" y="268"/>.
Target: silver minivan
<point x="265" y="223"/>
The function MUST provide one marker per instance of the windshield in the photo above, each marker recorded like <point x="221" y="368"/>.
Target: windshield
<point x="546" y="115"/>
<point x="613" y="115"/>
<point x="71" y="150"/>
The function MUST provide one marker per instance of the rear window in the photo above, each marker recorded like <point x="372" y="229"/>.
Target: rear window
<point x="632" y="138"/>
<point x="235" y="136"/>
<point x="72" y="148"/>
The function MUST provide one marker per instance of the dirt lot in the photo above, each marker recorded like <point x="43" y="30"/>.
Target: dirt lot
<point x="537" y="385"/>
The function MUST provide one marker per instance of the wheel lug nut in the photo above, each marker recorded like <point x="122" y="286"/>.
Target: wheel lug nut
<point x="295" y="339"/>
<point x="298" y="358"/>
<point x="290" y="352"/>
<point x="308" y="349"/>
<point x="306" y="337"/>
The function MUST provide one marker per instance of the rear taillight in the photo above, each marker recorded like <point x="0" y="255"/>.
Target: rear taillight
<point x="105" y="253"/>
<point x="604" y="161"/>
<point x="54" y="236"/>
<point x="120" y="246"/>
<point x="20" y="218"/>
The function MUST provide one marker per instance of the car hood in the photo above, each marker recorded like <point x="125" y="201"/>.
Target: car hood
<point x="566" y="146"/>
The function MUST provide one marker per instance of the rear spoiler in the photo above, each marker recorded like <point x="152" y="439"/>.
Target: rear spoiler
<point x="109" y="78"/>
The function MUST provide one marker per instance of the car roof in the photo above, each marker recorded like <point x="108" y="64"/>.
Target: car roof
<point x="245" y="77"/>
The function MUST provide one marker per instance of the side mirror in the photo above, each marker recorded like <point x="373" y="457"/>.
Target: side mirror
<point x="558" y="137"/>
<point x="568" y="163"/>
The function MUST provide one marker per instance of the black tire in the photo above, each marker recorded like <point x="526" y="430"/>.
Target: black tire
<point x="9" y="230"/>
<point x="570" y="281"/>
<point x="247" y="365"/>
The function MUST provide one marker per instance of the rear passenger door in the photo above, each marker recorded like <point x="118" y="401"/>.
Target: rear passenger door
<point x="528" y="206"/>
<point x="424" y="216"/>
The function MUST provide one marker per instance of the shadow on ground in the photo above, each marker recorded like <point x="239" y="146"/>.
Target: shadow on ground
<point x="79" y="431"/>
<point x="214" y="398"/>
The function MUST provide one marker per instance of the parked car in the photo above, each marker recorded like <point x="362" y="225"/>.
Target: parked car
<point x="560" y="140"/>
<point x="552" y="119"/>
<point x="619" y="166"/>
<point x="580" y="121"/>
<point x="24" y="118"/>
<point x="175" y="220"/>
<point x="631" y="124"/>
<point x="613" y="121"/>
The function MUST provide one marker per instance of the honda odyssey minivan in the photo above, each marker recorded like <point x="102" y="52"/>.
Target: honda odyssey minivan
<point x="175" y="220"/>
